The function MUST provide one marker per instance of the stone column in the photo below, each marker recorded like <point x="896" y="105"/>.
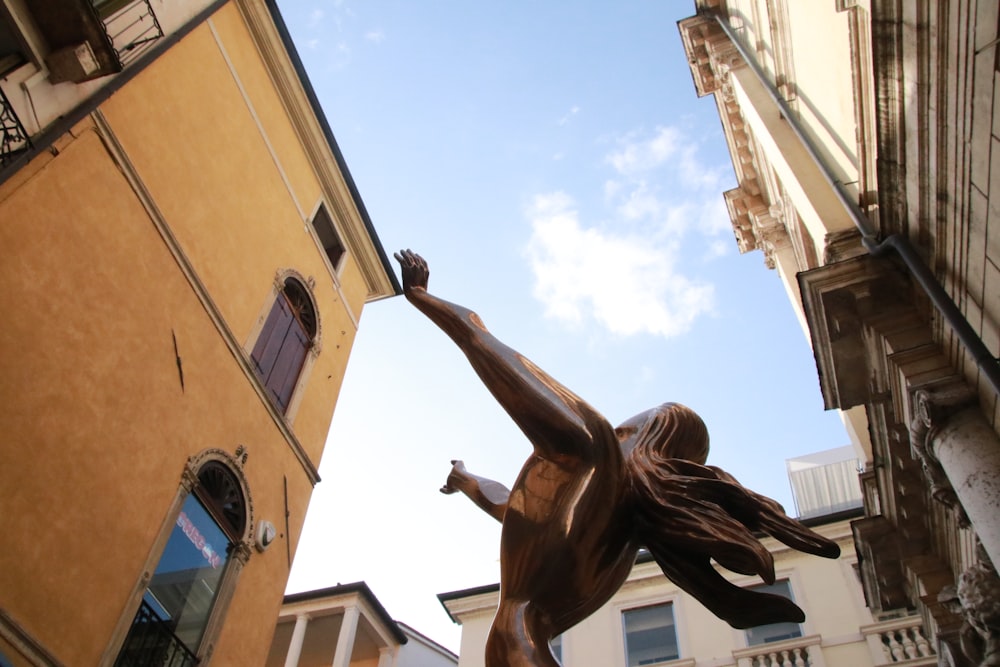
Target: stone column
<point x="960" y="453"/>
<point x="345" y="641"/>
<point x="298" y="638"/>
<point x="968" y="450"/>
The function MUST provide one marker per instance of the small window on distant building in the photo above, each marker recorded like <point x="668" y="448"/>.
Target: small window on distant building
<point x="773" y="632"/>
<point x="284" y="342"/>
<point x="328" y="237"/>
<point x="650" y="635"/>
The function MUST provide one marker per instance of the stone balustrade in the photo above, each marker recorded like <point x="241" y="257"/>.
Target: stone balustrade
<point x="799" y="652"/>
<point x="899" y="641"/>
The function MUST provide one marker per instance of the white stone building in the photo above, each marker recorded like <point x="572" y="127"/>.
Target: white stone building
<point x="866" y="146"/>
<point x="650" y="621"/>
<point x="345" y="626"/>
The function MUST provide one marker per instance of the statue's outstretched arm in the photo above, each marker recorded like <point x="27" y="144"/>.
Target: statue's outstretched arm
<point x="555" y="420"/>
<point x="490" y="496"/>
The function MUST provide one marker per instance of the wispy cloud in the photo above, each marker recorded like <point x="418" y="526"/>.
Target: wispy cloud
<point x="316" y="17"/>
<point x="624" y="283"/>
<point x="663" y="203"/>
<point x="333" y="32"/>
<point x="636" y="154"/>
<point x="569" y="115"/>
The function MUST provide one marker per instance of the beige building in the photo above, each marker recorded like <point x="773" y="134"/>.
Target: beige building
<point x="186" y="261"/>
<point x="346" y="625"/>
<point x="866" y="146"/>
<point x="650" y="621"/>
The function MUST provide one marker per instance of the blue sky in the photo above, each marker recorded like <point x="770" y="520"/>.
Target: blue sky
<point x="553" y="164"/>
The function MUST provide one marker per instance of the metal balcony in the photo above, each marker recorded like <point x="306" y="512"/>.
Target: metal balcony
<point x="152" y="642"/>
<point x="13" y="137"/>
<point x="94" y="38"/>
<point x="131" y="26"/>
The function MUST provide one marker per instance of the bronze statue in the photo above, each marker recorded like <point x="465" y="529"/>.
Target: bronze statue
<point x="590" y="496"/>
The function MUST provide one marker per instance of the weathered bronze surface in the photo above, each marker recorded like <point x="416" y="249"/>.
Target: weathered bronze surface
<point x="591" y="495"/>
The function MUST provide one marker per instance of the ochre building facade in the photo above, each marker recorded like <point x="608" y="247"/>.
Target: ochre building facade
<point x="186" y="261"/>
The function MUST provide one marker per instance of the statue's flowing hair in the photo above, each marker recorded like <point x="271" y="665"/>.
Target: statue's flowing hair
<point x="687" y="514"/>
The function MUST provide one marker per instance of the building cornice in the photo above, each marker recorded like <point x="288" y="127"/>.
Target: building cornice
<point x="271" y="37"/>
<point x="757" y="219"/>
<point x="328" y="601"/>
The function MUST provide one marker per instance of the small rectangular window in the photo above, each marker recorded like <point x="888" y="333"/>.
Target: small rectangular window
<point x="328" y="237"/>
<point x="774" y="632"/>
<point x="650" y="635"/>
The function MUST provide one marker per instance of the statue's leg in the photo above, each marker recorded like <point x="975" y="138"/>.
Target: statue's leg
<point x="555" y="420"/>
<point x="489" y="495"/>
<point x="518" y="638"/>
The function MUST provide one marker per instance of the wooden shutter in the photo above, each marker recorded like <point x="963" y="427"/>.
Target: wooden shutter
<point x="280" y="352"/>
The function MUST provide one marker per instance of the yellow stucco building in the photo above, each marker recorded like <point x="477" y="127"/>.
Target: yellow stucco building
<point x="186" y="260"/>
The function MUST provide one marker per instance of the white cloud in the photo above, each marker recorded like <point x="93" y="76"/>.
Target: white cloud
<point x="637" y="156"/>
<point x="662" y="203"/>
<point x="627" y="284"/>
<point x="569" y="116"/>
<point x="375" y="36"/>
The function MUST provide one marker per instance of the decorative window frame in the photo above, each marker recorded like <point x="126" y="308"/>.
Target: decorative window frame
<point x="242" y="549"/>
<point x="799" y="597"/>
<point x="311" y="229"/>
<point x="675" y="600"/>
<point x="277" y="286"/>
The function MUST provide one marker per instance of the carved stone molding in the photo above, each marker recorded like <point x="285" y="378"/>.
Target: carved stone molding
<point x="235" y="466"/>
<point x="280" y="276"/>
<point x="976" y="600"/>
<point x="741" y="204"/>
<point x="711" y="55"/>
<point x="979" y="594"/>
<point x="842" y="245"/>
<point x="757" y="224"/>
<point x="932" y="409"/>
<point x="842" y="301"/>
<point x="880" y="551"/>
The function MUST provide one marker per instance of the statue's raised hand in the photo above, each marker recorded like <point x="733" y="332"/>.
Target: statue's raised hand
<point x="414" y="268"/>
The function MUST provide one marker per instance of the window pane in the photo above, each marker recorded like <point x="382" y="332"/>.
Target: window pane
<point x="650" y="635"/>
<point x="328" y="237"/>
<point x="187" y="577"/>
<point x="773" y="632"/>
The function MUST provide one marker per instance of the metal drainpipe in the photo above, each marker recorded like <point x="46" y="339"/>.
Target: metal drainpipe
<point x="984" y="359"/>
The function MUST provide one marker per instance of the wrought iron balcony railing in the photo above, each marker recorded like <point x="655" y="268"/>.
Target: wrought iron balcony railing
<point x="152" y="642"/>
<point x="13" y="137"/>
<point x="131" y="26"/>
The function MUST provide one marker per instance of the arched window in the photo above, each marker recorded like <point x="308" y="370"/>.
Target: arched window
<point x="284" y="342"/>
<point x="177" y="605"/>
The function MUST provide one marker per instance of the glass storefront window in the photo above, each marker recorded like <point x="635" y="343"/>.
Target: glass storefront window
<point x="187" y="578"/>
